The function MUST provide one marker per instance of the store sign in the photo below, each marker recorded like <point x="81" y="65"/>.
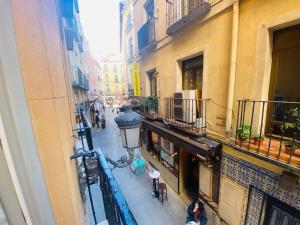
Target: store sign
<point x="136" y="80"/>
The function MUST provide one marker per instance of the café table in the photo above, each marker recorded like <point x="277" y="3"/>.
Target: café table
<point x="154" y="174"/>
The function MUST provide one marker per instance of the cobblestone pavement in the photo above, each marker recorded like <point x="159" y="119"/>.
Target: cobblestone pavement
<point x="136" y="189"/>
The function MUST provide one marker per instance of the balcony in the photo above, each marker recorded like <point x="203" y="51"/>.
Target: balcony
<point x="80" y="81"/>
<point x="188" y="115"/>
<point x="146" y="36"/>
<point x="180" y="13"/>
<point x="93" y="168"/>
<point x="146" y="106"/>
<point x="270" y="130"/>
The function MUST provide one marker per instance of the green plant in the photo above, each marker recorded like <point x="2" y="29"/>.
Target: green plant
<point x="243" y="132"/>
<point x="293" y="119"/>
<point x="151" y="102"/>
<point x="258" y="137"/>
<point x="291" y="144"/>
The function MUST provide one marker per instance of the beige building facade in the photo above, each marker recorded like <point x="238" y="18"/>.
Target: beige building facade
<point x="38" y="181"/>
<point x="234" y="154"/>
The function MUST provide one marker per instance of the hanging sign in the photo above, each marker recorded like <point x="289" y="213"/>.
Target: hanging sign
<point x="136" y="80"/>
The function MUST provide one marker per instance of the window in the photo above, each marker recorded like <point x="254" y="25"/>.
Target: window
<point x="115" y="68"/>
<point x="165" y="152"/>
<point x="105" y="69"/>
<point x="153" y="82"/>
<point x="192" y="74"/>
<point x="149" y="7"/>
<point x="130" y="48"/>
<point x="284" y="77"/>
<point x="116" y="79"/>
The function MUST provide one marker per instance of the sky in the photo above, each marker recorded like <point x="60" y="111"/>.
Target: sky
<point x="100" y="22"/>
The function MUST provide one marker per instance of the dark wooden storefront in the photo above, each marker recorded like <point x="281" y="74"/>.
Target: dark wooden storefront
<point x="188" y="151"/>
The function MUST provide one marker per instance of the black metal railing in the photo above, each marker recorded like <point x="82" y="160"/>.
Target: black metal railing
<point x="270" y="129"/>
<point x="145" y="105"/>
<point x="146" y="35"/>
<point x="182" y="12"/>
<point x="116" y="209"/>
<point x="188" y="115"/>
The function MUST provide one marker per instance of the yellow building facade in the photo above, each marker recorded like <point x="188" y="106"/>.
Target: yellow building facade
<point x="226" y="50"/>
<point x="111" y="73"/>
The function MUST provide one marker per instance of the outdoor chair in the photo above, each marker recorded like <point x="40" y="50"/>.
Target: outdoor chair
<point x="137" y="167"/>
<point x="163" y="192"/>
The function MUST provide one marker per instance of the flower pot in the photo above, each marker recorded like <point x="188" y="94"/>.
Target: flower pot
<point x="288" y="150"/>
<point x="258" y="141"/>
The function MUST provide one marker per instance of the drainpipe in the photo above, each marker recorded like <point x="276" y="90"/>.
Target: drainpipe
<point x="232" y="72"/>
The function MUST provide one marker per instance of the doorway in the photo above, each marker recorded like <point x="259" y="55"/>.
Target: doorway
<point x="278" y="213"/>
<point x="285" y="75"/>
<point x="152" y="76"/>
<point x="192" y="179"/>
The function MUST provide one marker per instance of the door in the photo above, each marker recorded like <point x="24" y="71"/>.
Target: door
<point x="279" y="213"/>
<point x="285" y="76"/>
<point x="192" y="181"/>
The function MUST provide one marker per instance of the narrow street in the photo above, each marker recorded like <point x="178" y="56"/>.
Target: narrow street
<point x="136" y="189"/>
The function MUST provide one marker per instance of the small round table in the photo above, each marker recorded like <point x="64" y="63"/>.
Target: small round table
<point x="154" y="175"/>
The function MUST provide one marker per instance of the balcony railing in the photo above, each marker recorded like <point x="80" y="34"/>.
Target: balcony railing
<point x="95" y="166"/>
<point x="188" y="115"/>
<point x="270" y="129"/>
<point x="182" y="12"/>
<point x="147" y="106"/>
<point x="146" y="36"/>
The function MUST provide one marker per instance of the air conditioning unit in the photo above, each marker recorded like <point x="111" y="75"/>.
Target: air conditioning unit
<point x="185" y="106"/>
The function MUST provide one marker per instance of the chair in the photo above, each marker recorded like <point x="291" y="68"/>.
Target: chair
<point x="137" y="167"/>
<point x="163" y="192"/>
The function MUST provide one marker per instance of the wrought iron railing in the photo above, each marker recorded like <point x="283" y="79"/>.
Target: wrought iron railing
<point x="270" y="129"/>
<point x="146" y="36"/>
<point x="146" y="105"/>
<point x="188" y="115"/>
<point x="182" y="12"/>
<point x="95" y="165"/>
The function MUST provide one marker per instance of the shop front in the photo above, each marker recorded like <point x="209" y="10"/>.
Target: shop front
<point x="189" y="165"/>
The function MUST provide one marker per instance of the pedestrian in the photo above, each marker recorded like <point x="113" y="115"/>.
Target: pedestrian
<point x="92" y="113"/>
<point x="97" y="119"/>
<point x="103" y="108"/>
<point x="196" y="214"/>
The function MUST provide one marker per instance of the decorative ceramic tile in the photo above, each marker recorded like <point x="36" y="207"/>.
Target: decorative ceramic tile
<point x="247" y="174"/>
<point x="254" y="206"/>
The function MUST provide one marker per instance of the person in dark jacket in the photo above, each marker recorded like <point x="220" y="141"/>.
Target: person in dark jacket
<point x="196" y="213"/>
<point x="97" y="119"/>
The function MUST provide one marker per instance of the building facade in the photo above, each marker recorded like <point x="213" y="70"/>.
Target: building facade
<point x="128" y="44"/>
<point x="227" y="129"/>
<point x="77" y="54"/>
<point x="38" y="180"/>
<point x="111" y="72"/>
<point x="94" y="78"/>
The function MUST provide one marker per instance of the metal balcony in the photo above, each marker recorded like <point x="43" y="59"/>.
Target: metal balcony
<point x="180" y="13"/>
<point x="188" y="115"/>
<point x="146" y="36"/>
<point x="270" y="130"/>
<point x="93" y="167"/>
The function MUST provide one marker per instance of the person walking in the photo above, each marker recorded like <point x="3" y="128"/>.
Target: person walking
<point x="92" y="113"/>
<point x="97" y="119"/>
<point x="196" y="214"/>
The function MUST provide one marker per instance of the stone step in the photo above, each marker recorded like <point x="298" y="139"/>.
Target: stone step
<point x="104" y="222"/>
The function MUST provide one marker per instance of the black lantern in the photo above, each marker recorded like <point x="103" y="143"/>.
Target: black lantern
<point x="129" y="123"/>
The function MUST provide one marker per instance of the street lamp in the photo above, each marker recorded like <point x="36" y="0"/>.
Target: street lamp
<point x="129" y="123"/>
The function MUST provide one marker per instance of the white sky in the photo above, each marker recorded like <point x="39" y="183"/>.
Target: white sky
<point x="100" y="22"/>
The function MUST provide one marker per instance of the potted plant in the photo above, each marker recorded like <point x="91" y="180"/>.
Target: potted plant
<point x="258" y="139"/>
<point x="290" y="147"/>
<point x="243" y="132"/>
<point x="151" y="104"/>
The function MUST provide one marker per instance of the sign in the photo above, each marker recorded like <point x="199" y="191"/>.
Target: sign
<point x="136" y="80"/>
